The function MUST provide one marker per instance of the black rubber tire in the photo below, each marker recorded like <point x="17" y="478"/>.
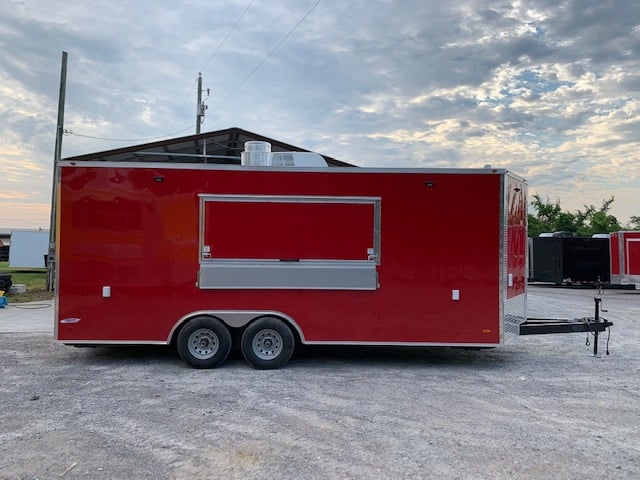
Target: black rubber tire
<point x="204" y="342"/>
<point x="267" y="343"/>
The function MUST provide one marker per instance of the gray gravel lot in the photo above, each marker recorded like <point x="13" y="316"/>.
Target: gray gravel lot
<point x="541" y="407"/>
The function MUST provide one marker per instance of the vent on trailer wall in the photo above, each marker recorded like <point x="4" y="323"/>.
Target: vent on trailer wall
<point x="259" y="154"/>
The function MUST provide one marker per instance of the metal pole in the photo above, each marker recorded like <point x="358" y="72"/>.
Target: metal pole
<point x="596" y="320"/>
<point x="51" y="257"/>
<point x="199" y="109"/>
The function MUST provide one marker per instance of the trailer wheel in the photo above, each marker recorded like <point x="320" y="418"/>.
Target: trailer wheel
<point x="267" y="343"/>
<point x="204" y="342"/>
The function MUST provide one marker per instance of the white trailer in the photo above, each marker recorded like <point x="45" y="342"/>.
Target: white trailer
<point x="28" y="248"/>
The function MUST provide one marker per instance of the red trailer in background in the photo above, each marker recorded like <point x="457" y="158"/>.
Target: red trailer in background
<point x="625" y="258"/>
<point x="206" y="255"/>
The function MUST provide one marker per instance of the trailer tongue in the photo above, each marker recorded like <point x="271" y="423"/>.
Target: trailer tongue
<point x="590" y="325"/>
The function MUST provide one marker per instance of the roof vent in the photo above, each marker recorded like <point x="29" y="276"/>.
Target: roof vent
<point x="297" y="159"/>
<point x="258" y="154"/>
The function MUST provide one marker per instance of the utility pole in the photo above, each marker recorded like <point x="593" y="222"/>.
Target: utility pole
<point x="200" y="109"/>
<point x="51" y="256"/>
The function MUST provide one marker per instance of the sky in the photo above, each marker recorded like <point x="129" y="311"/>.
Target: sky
<point x="548" y="89"/>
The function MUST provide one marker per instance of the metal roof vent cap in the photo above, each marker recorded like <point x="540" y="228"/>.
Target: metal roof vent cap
<point x="297" y="159"/>
<point x="256" y="154"/>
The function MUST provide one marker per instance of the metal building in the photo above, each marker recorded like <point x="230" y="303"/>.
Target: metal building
<point x="220" y="146"/>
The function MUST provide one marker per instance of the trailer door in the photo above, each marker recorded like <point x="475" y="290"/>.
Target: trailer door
<point x="633" y="256"/>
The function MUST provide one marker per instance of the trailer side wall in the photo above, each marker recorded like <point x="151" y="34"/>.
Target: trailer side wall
<point x="130" y="253"/>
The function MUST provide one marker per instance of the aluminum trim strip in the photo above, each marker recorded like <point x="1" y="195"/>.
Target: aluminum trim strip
<point x="514" y="316"/>
<point x="503" y="254"/>
<point x="331" y="170"/>
<point x="285" y="275"/>
<point x="620" y="254"/>
<point x="337" y="343"/>
<point x="404" y="344"/>
<point x="376" y="202"/>
<point x="212" y="197"/>
<point x="56" y="255"/>
<point x="112" y="342"/>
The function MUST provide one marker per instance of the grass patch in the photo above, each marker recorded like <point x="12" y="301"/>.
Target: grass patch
<point x="35" y="279"/>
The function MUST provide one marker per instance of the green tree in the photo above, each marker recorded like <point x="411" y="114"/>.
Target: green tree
<point x="598" y="220"/>
<point x="549" y="217"/>
<point x="634" y="223"/>
<point x="544" y="217"/>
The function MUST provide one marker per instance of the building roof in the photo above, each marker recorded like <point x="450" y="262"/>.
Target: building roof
<point x="220" y="146"/>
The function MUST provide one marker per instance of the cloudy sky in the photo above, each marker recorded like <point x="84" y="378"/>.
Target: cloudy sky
<point x="546" y="88"/>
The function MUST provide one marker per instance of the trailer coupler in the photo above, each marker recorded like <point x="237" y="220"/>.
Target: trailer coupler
<point x="591" y="325"/>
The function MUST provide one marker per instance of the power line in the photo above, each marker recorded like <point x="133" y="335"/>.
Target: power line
<point x="233" y="92"/>
<point x="71" y="132"/>
<point x="215" y="52"/>
<point x="184" y="102"/>
<point x="226" y="36"/>
<point x="262" y="62"/>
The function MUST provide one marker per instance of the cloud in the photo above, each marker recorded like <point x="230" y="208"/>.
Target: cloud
<point x="545" y="88"/>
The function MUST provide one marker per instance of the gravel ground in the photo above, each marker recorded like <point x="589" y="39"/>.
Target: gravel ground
<point x="541" y="407"/>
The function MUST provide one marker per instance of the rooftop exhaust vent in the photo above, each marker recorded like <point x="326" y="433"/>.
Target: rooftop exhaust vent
<point x="259" y="154"/>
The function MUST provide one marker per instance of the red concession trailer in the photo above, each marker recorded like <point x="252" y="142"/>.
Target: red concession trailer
<point x="202" y="256"/>
<point x="625" y="258"/>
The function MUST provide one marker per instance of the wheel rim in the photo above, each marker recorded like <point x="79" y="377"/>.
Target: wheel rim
<point x="203" y="344"/>
<point x="267" y="344"/>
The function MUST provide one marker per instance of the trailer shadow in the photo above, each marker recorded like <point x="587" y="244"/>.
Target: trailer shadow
<point x="117" y="355"/>
<point x="305" y="356"/>
<point x="395" y="356"/>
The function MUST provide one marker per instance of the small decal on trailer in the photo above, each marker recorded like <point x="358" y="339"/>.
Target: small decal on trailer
<point x="70" y="320"/>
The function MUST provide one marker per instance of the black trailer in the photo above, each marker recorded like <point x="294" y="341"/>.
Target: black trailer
<point x="5" y="282"/>
<point x="569" y="260"/>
